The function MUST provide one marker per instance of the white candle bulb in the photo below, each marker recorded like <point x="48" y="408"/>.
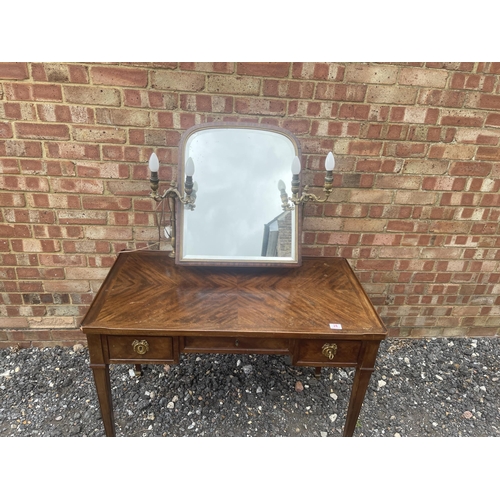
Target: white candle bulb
<point x="329" y="162"/>
<point x="154" y="163"/>
<point x="296" y="166"/>
<point x="190" y="167"/>
<point x="281" y="185"/>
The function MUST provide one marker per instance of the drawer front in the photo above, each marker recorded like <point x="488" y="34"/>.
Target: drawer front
<point x="138" y="348"/>
<point x="236" y="345"/>
<point x="327" y="352"/>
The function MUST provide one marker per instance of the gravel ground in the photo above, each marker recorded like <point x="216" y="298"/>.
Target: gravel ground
<point x="425" y="387"/>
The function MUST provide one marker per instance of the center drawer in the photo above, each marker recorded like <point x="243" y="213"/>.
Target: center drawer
<point x="235" y="345"/>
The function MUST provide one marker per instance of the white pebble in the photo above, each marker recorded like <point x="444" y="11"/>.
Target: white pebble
<point x="381" y="383"/>
<point x="333" y="396"/>
<point x="333" y="417"/>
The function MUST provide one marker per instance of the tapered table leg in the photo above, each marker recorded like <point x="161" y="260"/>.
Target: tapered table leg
<point x="364" y="370"/>
<point x="100" y="367"/>
<point x="103" y="386"/>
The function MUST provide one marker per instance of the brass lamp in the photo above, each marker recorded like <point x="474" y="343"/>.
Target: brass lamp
<point x="305" y="197"/>
<point x="172" y="193"/>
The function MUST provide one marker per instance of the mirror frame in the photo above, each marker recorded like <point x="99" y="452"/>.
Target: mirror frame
<point x="180" y="209"/>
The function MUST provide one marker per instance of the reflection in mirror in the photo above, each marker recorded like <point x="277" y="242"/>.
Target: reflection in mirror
<point x="240" y="218"/>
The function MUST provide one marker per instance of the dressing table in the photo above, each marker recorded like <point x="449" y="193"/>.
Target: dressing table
<point x="260" y="297"/>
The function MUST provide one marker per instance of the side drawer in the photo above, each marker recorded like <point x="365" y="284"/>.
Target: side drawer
<point x="140" y="349"/>
<point x="327" y="352"/>
<point x="236" y="345"/>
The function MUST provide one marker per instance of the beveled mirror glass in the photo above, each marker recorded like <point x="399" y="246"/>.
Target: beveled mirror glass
<point x="238" y="218"/>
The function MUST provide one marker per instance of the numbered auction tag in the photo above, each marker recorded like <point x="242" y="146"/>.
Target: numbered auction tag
<point x="335" y="326"/>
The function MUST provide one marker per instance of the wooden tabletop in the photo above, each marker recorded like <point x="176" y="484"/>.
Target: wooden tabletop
<point x="145" y="291"/>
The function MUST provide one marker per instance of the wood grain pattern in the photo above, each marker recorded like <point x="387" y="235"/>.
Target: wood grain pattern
<point x="147" y="291"/>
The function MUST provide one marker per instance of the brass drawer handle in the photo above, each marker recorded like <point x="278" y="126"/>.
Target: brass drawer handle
<point x="140" y="346"/>
<point x="329" y="350"/>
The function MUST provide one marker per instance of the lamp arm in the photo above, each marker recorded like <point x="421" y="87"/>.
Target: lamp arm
<point x="172" y="192"/>
<point x="305" y="197"/>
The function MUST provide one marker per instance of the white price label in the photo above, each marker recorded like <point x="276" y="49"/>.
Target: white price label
<point x="335" y="326"/>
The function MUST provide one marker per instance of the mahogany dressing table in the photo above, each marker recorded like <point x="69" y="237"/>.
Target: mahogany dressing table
<point x="150" y="310"/>
<point x="238" y="283"/>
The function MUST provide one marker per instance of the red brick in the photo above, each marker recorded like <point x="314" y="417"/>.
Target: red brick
<point x="371" y="73"/>
<point x="14" y="148"/>
<point x="128" y="117"/>
<point x="364" y="148"/>
<point x="490" y="200"/>
<point x="108" y="233"/>
<point x="13" y="71"/>
<point x="443" y="184"/>
<point x="206" y="103"/>
<point x="488" y="101"/>
<point x="77" y="186"/>
<point x="56" y="72"/>
<point x="451" y="227"/>
<point x="423" y="77"/>
<point x="470" y="169"/>
<point x="78" y="74"/>
<point x="5" y="130"/>
<point x="154" y="137"/>
<point x="9" y="166"/>
<point x="72" y="151"/>
<point x="62" y="113"/>
<point x="117" y="76"/>
<point x="207" y="67"/>
<point x="42" y="131"/>
<point x="442" y="98"/>
<point x="493" y="120"/>
<point x="35" y="92"/>
<point x="405" y="150"/>
<point x="176" y="80"/>
<point x="318" y="71"/>
<point x="253" y="106"/>
<point x="153" y="99"/>
<point x="112" y="135"/>
<point x="415" y="198"/>
<point x="376" y="264"/>
<point x="340" y="92"/>
<point x="233" y="84"/>
<point x="461" y="118"/>
<point x="453" y="152"/>
<point x="277" y="70"/>
<point x="488" y="153"/>
<point x="92" y="95"/>
<point x="464" y="199"/>
<point x="287" y="88"/>
<point x="391" y="94"/>
<point x="23" y="183"/>
<point x="102" y="170"/>
<point x="30" y="216"/>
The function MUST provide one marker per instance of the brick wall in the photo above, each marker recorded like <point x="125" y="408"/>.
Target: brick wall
<point x="415" y="208"/>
